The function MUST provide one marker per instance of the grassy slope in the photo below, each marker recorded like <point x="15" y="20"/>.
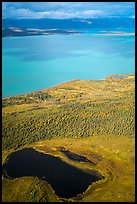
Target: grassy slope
<point x="75" y="109"/>
<point x="27" y="189"/>
<point x="97" y="120"/>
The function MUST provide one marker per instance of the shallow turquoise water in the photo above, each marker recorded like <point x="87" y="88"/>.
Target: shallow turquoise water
<point x="36" y="62"/>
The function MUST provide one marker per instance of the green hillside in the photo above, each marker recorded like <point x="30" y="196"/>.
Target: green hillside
<point x="77" y="109"/>
<point x="94" y="118"/>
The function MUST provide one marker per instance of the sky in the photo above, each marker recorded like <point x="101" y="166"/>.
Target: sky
<point x="67" y="10"/>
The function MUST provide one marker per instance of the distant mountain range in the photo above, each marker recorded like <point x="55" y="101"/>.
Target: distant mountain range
<point x="17" y="27"/>
<point x="14" y="31"/>
<point x="69" y="23"/>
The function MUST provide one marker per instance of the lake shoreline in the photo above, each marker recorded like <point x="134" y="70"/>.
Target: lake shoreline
<point x="73" y="80"/>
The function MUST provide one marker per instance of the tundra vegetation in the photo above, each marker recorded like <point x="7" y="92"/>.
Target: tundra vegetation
<point x="90" y="118"/>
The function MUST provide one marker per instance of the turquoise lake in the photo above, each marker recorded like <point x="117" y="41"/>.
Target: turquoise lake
<point x="33" y="63"/>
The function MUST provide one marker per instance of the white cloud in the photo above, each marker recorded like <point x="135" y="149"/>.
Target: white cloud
<point x="84" y="21"/>
<point x="66" y="9"/>
<point x="27" y="13"/>
<point x="66" y="15"/>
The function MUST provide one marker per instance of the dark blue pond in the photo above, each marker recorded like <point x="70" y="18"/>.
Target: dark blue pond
<point x="66" y="180"/>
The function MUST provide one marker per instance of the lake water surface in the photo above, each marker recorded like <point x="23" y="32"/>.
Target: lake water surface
<point x="32" y="63"/>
